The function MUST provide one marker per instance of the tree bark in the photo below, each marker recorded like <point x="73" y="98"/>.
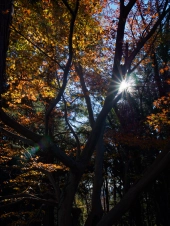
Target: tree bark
<point x="97" y="211"/>
<point x="66" y="201"/>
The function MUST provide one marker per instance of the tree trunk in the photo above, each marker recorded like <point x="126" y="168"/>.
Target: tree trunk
<point x="5" y="22"/>
<point x="97" y="211"/>
<point x="65" y="216"/>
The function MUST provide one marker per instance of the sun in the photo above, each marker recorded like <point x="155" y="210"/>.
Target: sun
<point x="123" y="86"/>
<point x="126" y="85"/>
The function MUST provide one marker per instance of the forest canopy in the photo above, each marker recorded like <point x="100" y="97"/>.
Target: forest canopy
<point x="84" y="112"/>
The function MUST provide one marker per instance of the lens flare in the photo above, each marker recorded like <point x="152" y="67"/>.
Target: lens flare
<point x="43" y="144"/>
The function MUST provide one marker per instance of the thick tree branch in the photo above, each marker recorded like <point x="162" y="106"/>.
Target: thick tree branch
<point x="79" y="71"/>
<point x="17" y="137"/>
<point x="71" y="129"/>
<point x="129" y="6"/>
<point x="130" y="70"/>
<point x="66" y="70"/>
<point x="65" y="159"/>
<point x="18" y="127"/>
<point x="68" y="7"/>
<point x="86" y="154"/>
<point x="124" y="11"/>
<point x="42" y="142"/>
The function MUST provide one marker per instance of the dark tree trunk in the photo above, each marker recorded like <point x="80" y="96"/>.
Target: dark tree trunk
<point x="5" y="21"/>
<point x="97" y="211"/>
<point x="65" y="212"/>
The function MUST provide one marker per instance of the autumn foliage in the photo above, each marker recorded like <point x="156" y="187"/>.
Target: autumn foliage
<point x="75" y="149"/>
